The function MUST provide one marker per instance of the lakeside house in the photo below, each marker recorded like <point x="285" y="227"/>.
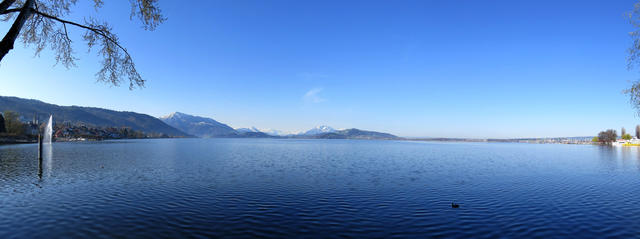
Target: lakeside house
<point x="623" y="142"/>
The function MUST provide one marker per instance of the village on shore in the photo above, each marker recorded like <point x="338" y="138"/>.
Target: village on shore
<point x="610" y="137"/>
<point x="14" y="130"/>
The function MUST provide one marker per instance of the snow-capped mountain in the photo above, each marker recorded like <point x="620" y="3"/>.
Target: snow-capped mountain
<point x="245" y="130"/>
<point x="206" y="127"/>
<point x="198" y="126"/>
<point x="319" y="130"/>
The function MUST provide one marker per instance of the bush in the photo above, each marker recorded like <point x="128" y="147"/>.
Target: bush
<point x="608" y="136"/>
<point x="12" y="123"/>
<point x="627" y="137"/>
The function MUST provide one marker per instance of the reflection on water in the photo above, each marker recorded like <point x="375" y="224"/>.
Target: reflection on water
<point x="619" y="158"/>
<point x="47" y="158"/>
<point x="46" y="161"/>
<point x="237" y="188"/>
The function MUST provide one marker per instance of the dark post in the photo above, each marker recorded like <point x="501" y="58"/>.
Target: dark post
<point x="40" y="155"/>
<point x="39" y="146"/>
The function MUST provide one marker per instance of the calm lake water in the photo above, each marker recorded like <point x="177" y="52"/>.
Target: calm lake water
<point x="178" y="188"/>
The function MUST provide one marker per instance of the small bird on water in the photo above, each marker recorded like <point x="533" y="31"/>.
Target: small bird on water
<point x="454" y="205"/>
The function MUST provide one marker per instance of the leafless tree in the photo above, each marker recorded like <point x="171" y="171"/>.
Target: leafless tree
<point x="41" y="23"/>
<point x="633" y="59"/>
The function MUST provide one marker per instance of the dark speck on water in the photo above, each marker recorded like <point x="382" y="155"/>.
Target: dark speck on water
<point x="273" y="188"/>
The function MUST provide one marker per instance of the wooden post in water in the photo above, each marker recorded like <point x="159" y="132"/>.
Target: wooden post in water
<point x="39" y="146"/>
<point x="40" y="155"/>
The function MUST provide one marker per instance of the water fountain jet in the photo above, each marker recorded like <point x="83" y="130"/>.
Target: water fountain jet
<point x="45" y="140"/>
<point x="48" y="131"/>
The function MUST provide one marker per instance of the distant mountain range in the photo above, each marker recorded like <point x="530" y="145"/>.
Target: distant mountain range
<point x="319" y="130"/>
<point x="210" y="128"/>
<point x="176" y="124"/>
<point x="354" y="134"/>
<point x="28" y="108"/>
<point x="248" y="130"/>
<point x="198" y="126"/>
<point x="274" y="132"/>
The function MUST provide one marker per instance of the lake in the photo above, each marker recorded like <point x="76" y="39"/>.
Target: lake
<point x="284" y="188"/>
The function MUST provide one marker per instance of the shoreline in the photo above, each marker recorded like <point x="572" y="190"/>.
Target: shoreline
<point x="12" y="141"/>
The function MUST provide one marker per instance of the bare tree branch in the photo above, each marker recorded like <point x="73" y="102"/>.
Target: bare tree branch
<point x="96" y="30"/>
<point x="7" y="42"/>
<point x="148" y="12"/>
<point x="10" y="11"/>
<point x="44" y="26"/>
<point x="5" y="4"/>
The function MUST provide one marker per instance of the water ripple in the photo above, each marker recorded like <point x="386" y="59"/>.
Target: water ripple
<point x="248" y="188"/>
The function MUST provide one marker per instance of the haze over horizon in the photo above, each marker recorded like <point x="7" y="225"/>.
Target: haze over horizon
<point x="410" y="68"/>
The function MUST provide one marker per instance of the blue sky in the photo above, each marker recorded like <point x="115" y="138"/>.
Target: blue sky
<point x="413" y="68"/>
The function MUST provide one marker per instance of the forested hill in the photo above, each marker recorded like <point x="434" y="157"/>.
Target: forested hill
<point x="89" y="116"/>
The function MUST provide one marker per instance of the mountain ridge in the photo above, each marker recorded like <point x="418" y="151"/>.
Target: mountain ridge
<point x="176" y="124"/>
<point x="322" y="129"/>
<point x="199" y="126"/>
<point x="354" y="133"/>
<point x="191" y="126"/>
<point x="92" y="116"/>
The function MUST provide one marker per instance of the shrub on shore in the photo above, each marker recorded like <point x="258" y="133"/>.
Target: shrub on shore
<point x="607" y="136"/>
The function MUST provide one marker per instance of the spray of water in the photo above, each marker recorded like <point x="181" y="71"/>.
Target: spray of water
<point x="48" y="131"/>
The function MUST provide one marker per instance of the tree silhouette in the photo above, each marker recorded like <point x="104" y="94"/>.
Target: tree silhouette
<point x="12" y="123"/>
<point x="2" y="128"/>
<point x="607" y="136"/>
<point x="40" y="23"/>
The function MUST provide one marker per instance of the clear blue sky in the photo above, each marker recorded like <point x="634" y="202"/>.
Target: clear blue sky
<point x="412" y="68"/>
